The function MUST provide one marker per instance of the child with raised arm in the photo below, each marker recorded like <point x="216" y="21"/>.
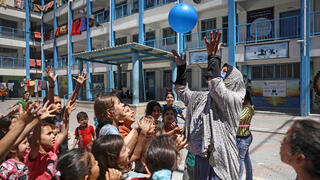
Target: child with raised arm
<point x="84" y="134"/>
<point x="42" y="158"/>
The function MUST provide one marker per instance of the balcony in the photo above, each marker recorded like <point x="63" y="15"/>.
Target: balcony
<point x="12" y="33"/>
<point x="132" y="7"/>
<point x="12" y="62"/>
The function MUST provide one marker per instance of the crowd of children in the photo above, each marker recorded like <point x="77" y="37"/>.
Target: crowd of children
<point x="34" y="137"/>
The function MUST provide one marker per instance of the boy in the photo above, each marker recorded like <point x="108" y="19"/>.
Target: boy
<point x="42" y="158"/>
<point x="84" y="133"/>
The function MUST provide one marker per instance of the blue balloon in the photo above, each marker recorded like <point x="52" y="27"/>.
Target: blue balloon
<point x="183" y="17"/>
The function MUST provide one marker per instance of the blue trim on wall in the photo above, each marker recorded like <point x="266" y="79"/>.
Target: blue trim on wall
<point x="89" y="48"/>
<point x="305" y="59"/>
<point x="43" y="57"/>
<point x="55" y="48"/>
<point x="27" y="30"/>
<point x="232" y="32"/>
<point x="70" y="45"/>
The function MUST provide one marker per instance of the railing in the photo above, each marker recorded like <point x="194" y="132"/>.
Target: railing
<point x="11" y="62"/>
<point x="125" y="10"/>
<point x="101" y="17"/>
<point x="315" y="23"/>
<point x="12" y="33"/>
<point x="166" y="44"/>
<point x="149" y="4"/>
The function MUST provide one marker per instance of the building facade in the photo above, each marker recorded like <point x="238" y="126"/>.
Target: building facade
<point x="267" y="51"/>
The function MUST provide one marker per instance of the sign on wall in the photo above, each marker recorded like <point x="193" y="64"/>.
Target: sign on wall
<point x="274" y="89"/>
<point x="198" y="57"/>
<point x="267" y="51"/>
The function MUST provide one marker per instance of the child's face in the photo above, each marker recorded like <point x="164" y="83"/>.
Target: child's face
<point x="129" y="117"/>
<point x="169" y="100"/>
<point x="123" y="159"/>
<point x="118" y="110"/>
<point x="168" y="117"/>
<point x="23" y="148"/>
<point x="83" y="122"/>
<point x="95" y="170"/>
<point x="47" y="137"/>
<point x="156" y="112"/>
<point x="55" y="131"/>
<point x="57" y="103"/>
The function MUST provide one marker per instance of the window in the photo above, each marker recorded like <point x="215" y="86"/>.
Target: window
<point x="290" y="24"/>
<point x="268" y="71"/>
<point x="121" y="40"/>
<point x="135" y="38"/>
<point x="123" y="79"/>
<point x="167" y="77"/>
<point x="204" y="82"/>
<point x="225" y="29"/>
<point x="207" y="25"/>
<point x="135" y="6"/>
<point x="188" y="37"/>
<point x="121" y="9"/>
<point x="99" y="78"/>
<point x="256" y="72"/>
<point x="276" y="71"/>
<point x="169" y="36"/>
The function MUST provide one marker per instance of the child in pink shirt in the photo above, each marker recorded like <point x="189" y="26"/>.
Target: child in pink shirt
<point x="42" y="158"/>
<point x="14" y="168"/>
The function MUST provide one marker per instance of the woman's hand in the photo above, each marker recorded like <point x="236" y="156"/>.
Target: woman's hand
<point x="180" y="61"/>
<point x="214" y="45"/>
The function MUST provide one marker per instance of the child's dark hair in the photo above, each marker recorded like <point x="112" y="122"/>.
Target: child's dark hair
<point x="161" y="154"/>
<point x="75" y="164"/>
<point x="150" y="107"/>
<point x="169" y="109"/>
<point x="248" y="97"/>
<point x="106" y="150"/>
<point x="305" y="139"/>
<point x="101" y="104"/>
<point x="169" y="92"/>
<point x="5" y="123"/>
<point x="82" y="115"/>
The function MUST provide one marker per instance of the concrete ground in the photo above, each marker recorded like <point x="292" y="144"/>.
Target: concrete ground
<point x="268" y="130"/>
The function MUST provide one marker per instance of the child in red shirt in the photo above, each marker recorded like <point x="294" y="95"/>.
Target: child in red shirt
<point x="83" y="133"/>
<point x="42" y="158"/>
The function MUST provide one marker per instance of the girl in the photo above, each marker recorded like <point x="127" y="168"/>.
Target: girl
<point x="170" y="103"/>
<point x="14" y="167"/>
<point x="111" y="152"/>
<point x="170" y="127"/>
<point x="244" y="137"/>
<point x="161" y="158"/>
<point x="78" y="164"/>
<point x="300" y="149"/>
<point x="154" y="109"/>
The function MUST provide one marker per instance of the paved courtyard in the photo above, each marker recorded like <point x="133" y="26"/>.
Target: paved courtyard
<point x="268" y="130"/>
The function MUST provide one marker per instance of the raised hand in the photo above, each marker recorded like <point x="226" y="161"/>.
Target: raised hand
<point x="113" y="174"/>
<point x="180" y="61"/>
<point x="50" y="74"/>
<point x="214" y="44"/>
<point x="69" y="109"/>
<point x="81" y="77"/>
<point x="46" y="111"/>
<point x="145" y="125"/>
<point x="28" y="114"/>
<point x="181" y="142"/>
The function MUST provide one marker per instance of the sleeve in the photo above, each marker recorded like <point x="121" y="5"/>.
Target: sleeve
<point x="18" y="102"/>
<point x="4" y="171"/>
<point x="184" y="93"/>
<point x="76" y="132"/>
<point x="181" y="75"/>
<point x="214" y="63"/>
<point x="91" y="130"/>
